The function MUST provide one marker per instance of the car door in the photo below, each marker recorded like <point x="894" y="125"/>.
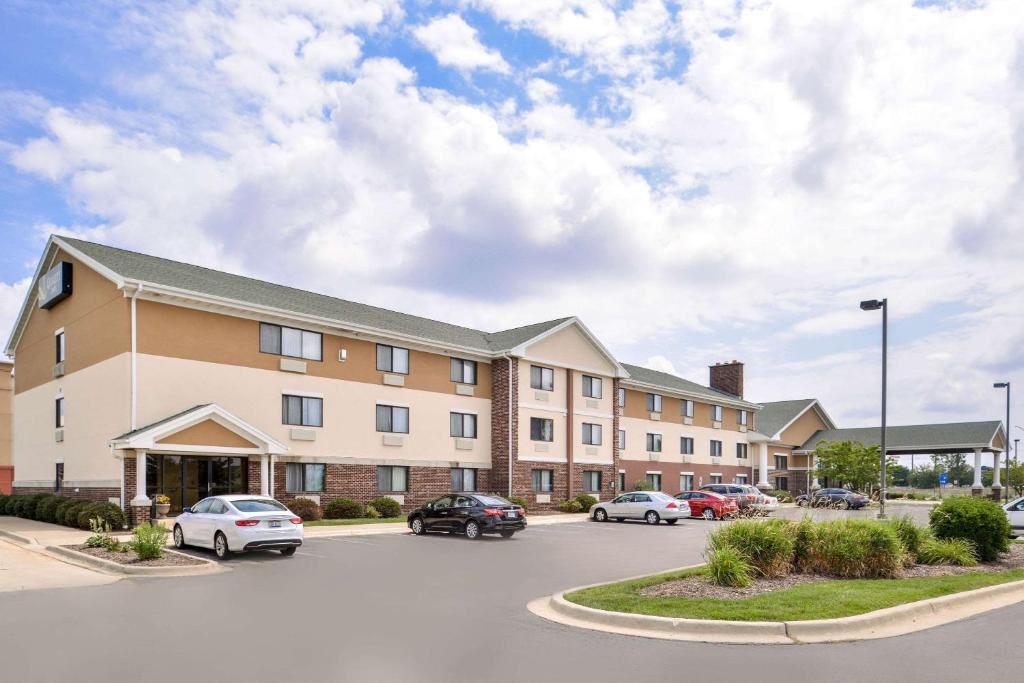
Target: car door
<point x="640" y="504"/>
<point x="438" y="514"/>
<point x="197" y="524"/>
<point x="214" y="518"/>
<point x="461" y="511"/>
<point x="618" y="506"/>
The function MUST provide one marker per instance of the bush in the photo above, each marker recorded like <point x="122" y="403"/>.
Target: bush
<point x="642" y="485"/>
<point x="571" y="505"/>
<point x="7" y="505"/>
<point x="306" y="508"/>
<point x="975" y="519"/>
<point x="783" y="496"/>
<point x="371" y="512"/>
<point x="63" y="507"/>
<point x="515" y="500"/>
<point x="853" y="548"/>
<point x="767" y="546"/>
<point x="387" y="507"/>
<point x="101" y="510"/>
<point x="958" y="551"/>
<point x="343" y="508"/>
<point x="148" y="541"/>
<point x="20" y="507"/>
<point x="729" y="567"/>
<point x="3" y="503"/>
<point x="586" y="501"/>
<point x="909" y="533"/>
<point x="46" y="510"/>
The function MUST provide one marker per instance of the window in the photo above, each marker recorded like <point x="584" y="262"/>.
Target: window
<point x="393" y="419"/>
<point x="392" y="478"/>
<point x="622" y="482"/>
<point x="463" y="371"/>
<point x="782" y="483"/>
<point x="654" y="480"/>
<point x="591" y="434"/>
<point x="741" y="479"/>
<point x="288" y="341"/>
<point x="59" y="413"/>
<point x="542" y="429"/>
<point x="685" y="482"/>
<point x="58" y="479"/>
<point x="741" y="451"/>
<point x="464" y="426"/>
<point x="463" y="479"/>
<point x="686" y="445"/>
<point x="622" y="439"/>
<point x="302" y="410"/>
<point x="716" y="478"/>
<point x="654" y="443"/>
<point x="592" y="481"/>
<point x="59" y="350"/>
<point x="543" y="480"/>
<point x="716" y="449"/>
<point x="591" y="386"/>
<point x="300" y="477"/>
<point x="741" y="417"/>
<point x="622" y="398"/>
<point x="716" y="413"/>
<point x="217" y="507"/>
<point x="392" y="359"/>
<point x="542" y="378"/>
<point x="687" y="408"/>
<point x="654" y="403"/>
<point x="781" y="462"/>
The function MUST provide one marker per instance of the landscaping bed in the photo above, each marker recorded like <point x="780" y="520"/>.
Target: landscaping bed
<point x="169" y="559"/>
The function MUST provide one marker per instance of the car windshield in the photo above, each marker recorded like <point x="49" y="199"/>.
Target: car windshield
<point x="258" y="505"/>
<point x="492" y="500"/>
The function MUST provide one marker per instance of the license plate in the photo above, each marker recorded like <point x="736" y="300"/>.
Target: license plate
<point x="511" y="514"/>
<point x="275" y="524"/>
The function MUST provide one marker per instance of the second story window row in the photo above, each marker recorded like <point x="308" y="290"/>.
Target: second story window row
<point x="392" y="359"/>
<point x="463" y="425"/>
<point x="392" y="419"/>
<point x="591" y="434"/>
<point x="654" y="443"/>
<point x="304" y="411"/>
<point x="288" y="341"/>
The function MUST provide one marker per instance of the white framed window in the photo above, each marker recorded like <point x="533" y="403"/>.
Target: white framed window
<point x="716" y="448"/>
<point x="292" y="342"/>
<point x="622" y="397"/>
<point x="741" y="417"/>
<point x="463" y="425"/>
<point x="622" y="439"/>
<point x="654" y="480"/>
<point x="653" y="443"/>
<point x="686" y="406"/>
<point x="542" y="378"/>
<point x="463" y="479"/>
<point x="304" y="411"/>
<point x="781" y="462"/>
<point x="591" y="434"/>
<point x="716" y="413"/>
<point x="542" y="481"/>
<point x="592" y="481"/>
<point x="392" y="359"/>
<point x="685" y="482"/>
<point x="741" y="451"/>
<point x="542" y="429"/>
<point x="621" y="482"/>
<point x="716" y="478"/>
<point x="654" y="403"/>
<point x="302" y="477"/>
<point x="463" y="371"/>
<point x="591" y="386"/>
<point x="59" y="348"/>
<point x="741" y="479"/>
<point x="392" y="478"/>
<point x="392" y="419"/>
<point x="59" y="412"/>
<point x="686" y="445"/>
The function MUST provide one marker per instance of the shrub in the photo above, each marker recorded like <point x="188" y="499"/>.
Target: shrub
<point x="7" y="505"/>
<point x="958" y="551"/>
<point x="571" y="505"/>
<point x="586" y="501"/>
<point x="100" y="534"/>
<point x="909" y="533"/>
<point x="20" y="508"/>
<point x="387" y="507"/>
<point x="978" y="520"/>
<point x="46" y="510"/>
<point x="642" y="485"/>
<point x="343" y="508"/>
<point x="515" y="500"/>
<point x="853" y="548"/>
<point x="101" y="510"/>
<point x="308" y="509"/>
<point x="371" y="512"/>
<point x="63" y="507"/>
<point x="767" y="546"/>
<point x="148" y="541"/>
<point x="728" y="567"/>
<point x="3" y="503"/>
<point x="783" y="496"/>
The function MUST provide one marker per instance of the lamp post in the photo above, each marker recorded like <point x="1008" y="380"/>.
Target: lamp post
<point x="874" y="305"/>
<point x="1006" y="442"/>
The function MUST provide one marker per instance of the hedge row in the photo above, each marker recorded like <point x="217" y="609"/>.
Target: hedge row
<point x="345" y="508"/>
<point x="73" y="512"/>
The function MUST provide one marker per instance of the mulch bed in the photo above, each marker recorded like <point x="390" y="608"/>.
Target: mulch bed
<point x="700" y="586"/>
<point x="170" y="559"/>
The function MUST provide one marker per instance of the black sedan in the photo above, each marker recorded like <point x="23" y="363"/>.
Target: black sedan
<point x="841" y="498"/>
<point x="472" y="514"/>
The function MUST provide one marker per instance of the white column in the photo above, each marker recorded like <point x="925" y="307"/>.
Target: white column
<point x="140" y="499"/>
<point x="995" y="471"/>
<point x="815" y="484"/>
<point x="265" y="475"/>
<point x="271" y="477"/>
<point x="762" y="464"/>
<point x="977" y="486"/>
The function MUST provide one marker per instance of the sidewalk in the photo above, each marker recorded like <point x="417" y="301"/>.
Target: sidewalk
<point x="403" y="528"/>
<point x="40" y="533"/>
<point x="26" y="565"/>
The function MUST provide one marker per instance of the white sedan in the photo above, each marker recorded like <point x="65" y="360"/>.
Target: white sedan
<point x="238" y="523"/>
<point x="650" y="506"/>
<point x="1015" y="515"/>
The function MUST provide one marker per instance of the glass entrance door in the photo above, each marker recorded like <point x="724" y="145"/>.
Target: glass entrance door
<point x="187" y="479"/>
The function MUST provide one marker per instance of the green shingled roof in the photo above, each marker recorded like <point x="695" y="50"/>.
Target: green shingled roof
<point x="775" y="415"/>
<point x="670" y="382"/>
<point x="151" y="425"/>
<point x="933" y="438"/>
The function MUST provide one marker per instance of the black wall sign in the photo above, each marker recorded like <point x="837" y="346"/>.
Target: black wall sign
<point x="55" y="285"/>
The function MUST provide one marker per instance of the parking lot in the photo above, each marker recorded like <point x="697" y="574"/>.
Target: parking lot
<point x="425" y="609"/>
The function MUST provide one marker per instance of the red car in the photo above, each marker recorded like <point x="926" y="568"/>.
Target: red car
<point x="709" y="505"/>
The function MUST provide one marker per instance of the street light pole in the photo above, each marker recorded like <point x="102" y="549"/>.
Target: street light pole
<point x="874" y="305"/>
<point x="1006" y="435"/>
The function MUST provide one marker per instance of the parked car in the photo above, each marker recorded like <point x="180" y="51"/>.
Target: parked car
<point x="709" y="505"/>
<point x="843" y="498"/>
<point x="471" y="514"/>
<point x="1015" y="515"/>
<point x="743" y="494"/>
<point x="239" y="523"/>
<point x="766" y="503"/>
<point x="650" y="506"/>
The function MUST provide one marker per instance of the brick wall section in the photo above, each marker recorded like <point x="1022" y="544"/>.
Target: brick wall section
<point x="254" y="476"/>
<point x="504" y="378"/>
<point x="727" y="377"/>
<point x="83" y="493"/>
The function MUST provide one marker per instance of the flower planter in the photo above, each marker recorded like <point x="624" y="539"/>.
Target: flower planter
<point x="162" y="510"/>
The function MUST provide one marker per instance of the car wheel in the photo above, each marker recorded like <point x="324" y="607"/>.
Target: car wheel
<point x="179" y="537"/>
<point x="671" y="522"/>
<point x="507" y="534"/>
<point x="289" y="551"/>
<point x="652" y="517"/>
<point x="600" y="515"/>
<point x="220" y="547"/>
<point x="708" y="514"/>
<point x="472" y="530"/>
<point x="846" y="505"/>
<point x="418" y="527"/>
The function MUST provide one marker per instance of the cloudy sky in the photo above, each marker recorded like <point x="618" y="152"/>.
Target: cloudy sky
<point x="697" y="180"/>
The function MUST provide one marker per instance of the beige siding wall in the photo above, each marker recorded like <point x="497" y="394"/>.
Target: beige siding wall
<point x="802" y="428"/>
<point x="592" y="411"/>
<point x="6" y="407"/>
<point x="672" y="433"/>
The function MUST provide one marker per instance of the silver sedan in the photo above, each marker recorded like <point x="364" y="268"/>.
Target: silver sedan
<point x="650" y="506"/>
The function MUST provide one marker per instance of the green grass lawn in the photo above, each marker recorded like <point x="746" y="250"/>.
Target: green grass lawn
<point x="348" y="522"/>
<point x="822" y="600"/>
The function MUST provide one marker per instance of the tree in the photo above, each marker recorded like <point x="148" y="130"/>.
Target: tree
<point x="899" y="475"/>
<point x="1016" y="478"/>
<point x="850" y="462"/>
<point x="924" y="477"/>
<point x="955" y="466"/>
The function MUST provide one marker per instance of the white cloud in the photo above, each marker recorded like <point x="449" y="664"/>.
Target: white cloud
<point x="11" y="298"/>
<point x="454" y="43"/>
<point x="661" y="364"/>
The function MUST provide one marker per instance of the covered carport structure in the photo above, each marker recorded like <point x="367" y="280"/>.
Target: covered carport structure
<point x="928" y="439"/>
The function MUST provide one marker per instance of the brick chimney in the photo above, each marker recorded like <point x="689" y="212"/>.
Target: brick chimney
<point x="727" y="377"/>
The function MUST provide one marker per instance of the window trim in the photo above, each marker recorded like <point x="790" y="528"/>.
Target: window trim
<point x="391" y="359"/>
<point x="744" y="449"/>
<point x="534" y="484"/>
<point x="622" y="397"/>
<point x="391" y="478"/>
<point x="463" y="470"/>
<point x="716" y="413"/>
<point x="462" y="424"/>
<point x="651" y="442"/>
<point x="655" y="402"/>
<point x="304" y="465"/>
<point x="542" y="369"/>
<point x="408" y="418"/>
<point x="591" y="380"/>
<point x="587" y="431"/>
<point x="686" y="407"/>
<point x="683" y="442"/>
<point x="600" y="482"/>
<point x="58" y="412"/>
<point x="742" y="417"/>
<point x="542" y="420"/>
<point x="462" y="364"/>
<point x="60" y="347"/>
<point x="712" y="448"/>
<point x="302" y="410"/>
<point x="280" y="337"/>
<point x="622" y="439"/>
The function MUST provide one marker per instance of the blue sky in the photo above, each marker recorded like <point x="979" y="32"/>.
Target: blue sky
<point x="698" y="181"/>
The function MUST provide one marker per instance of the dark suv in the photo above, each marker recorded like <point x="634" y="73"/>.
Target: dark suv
<point x="472" y="514"/>
<point x="842" y="498"/>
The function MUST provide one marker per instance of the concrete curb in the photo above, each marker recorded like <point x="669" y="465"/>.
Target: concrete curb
<point x="402" y="528"/>
<point x="106" y="566"/>
<point x="884" y="623"/>
<point x="17" y="538"/>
